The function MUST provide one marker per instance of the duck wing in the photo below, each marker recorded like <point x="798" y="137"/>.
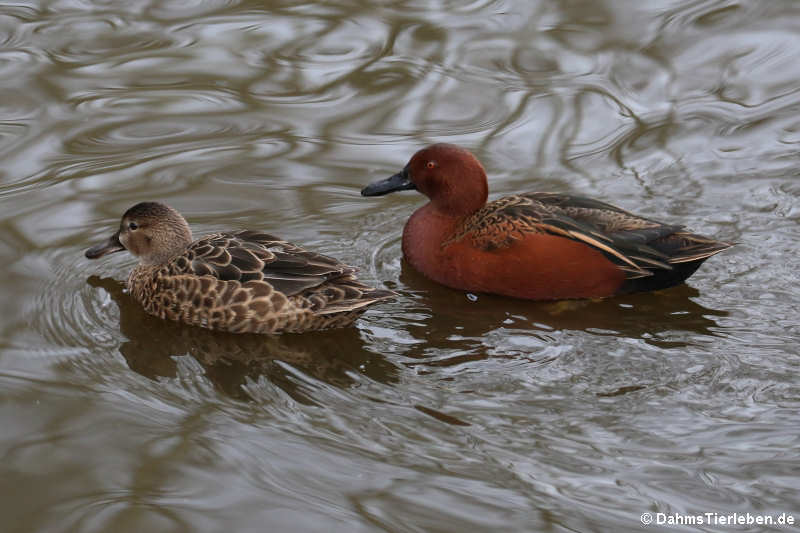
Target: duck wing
<point x="247" y="256"/>
<point x="638" y="245"/>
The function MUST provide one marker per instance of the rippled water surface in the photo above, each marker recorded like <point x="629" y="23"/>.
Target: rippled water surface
<point x="438" y="411"/>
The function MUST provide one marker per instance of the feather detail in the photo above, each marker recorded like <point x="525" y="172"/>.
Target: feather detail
<point x="639" y="246"/>
<point x="245" y="281"/>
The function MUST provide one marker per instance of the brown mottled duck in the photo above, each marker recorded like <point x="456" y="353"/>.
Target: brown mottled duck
<point x="240" y="282"/>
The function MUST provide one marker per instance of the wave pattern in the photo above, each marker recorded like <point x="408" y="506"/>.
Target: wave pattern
<point x="441" y="410"/>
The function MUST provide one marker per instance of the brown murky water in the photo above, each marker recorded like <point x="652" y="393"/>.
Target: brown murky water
<point x="438" y="412"/>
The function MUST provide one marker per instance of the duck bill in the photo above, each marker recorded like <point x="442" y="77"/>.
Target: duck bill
<point x="104" y="248"/>
<point x="399" y="182"/>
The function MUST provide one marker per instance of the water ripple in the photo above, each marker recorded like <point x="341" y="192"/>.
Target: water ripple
<point x="441" y="409"/>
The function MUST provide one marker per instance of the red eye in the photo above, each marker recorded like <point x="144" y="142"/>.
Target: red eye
<point x="430" y="164"/>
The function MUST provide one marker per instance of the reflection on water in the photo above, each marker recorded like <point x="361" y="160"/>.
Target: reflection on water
<point x="440" y="411"/>
<point x="646" y="316"/>
<point x="230" y="360"/>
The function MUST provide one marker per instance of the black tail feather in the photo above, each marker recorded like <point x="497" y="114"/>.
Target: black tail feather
<point x="686" y="252"/>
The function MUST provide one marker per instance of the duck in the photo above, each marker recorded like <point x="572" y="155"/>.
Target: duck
<point x="535" y="245"/>
<point x="240" y="282"/>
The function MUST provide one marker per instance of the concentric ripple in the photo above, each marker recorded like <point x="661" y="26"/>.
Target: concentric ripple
<point x="441" y="410"/>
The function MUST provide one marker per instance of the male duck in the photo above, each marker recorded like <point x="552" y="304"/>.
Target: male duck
<point x="541" y="246"/>
<point x="241" y="282"/>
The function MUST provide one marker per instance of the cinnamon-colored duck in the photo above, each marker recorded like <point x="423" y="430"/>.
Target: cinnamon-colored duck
<point x="540" y="246"/>
<point x="240" y="282"/>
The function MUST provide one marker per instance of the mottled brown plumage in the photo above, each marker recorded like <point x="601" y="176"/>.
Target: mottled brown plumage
<point x="241" y="282"/>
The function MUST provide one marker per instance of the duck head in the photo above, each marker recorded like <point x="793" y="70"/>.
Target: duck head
<point x="450" y="176"/>
<point x="151" y="231"/>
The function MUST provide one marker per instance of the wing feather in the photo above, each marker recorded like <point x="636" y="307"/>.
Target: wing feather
<point x="638" y="245"/>
<point x="254" y="256"/>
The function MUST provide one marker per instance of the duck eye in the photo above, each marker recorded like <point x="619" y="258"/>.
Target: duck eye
<point x="430" y="164"/>
<point x="132" y="226"/>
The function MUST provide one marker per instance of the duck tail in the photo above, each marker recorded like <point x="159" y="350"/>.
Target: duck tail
<point x="685" y="247"/>
<point x="344" y="294"/>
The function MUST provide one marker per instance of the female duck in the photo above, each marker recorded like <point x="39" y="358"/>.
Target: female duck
<point x="541" y="246"/>
<point x="241" y="282"/>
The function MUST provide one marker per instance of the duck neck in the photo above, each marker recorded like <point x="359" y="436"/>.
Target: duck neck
<point x="171" y="245"/>
<point x="160" y="258"/>
<point x="461" y="202"/>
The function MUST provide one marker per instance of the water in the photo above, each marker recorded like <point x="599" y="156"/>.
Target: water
<point x="441" y="411"/>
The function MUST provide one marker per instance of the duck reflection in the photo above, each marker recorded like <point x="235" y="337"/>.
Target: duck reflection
<point x="639" y="315"/>
<point x="229" y="359"/>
